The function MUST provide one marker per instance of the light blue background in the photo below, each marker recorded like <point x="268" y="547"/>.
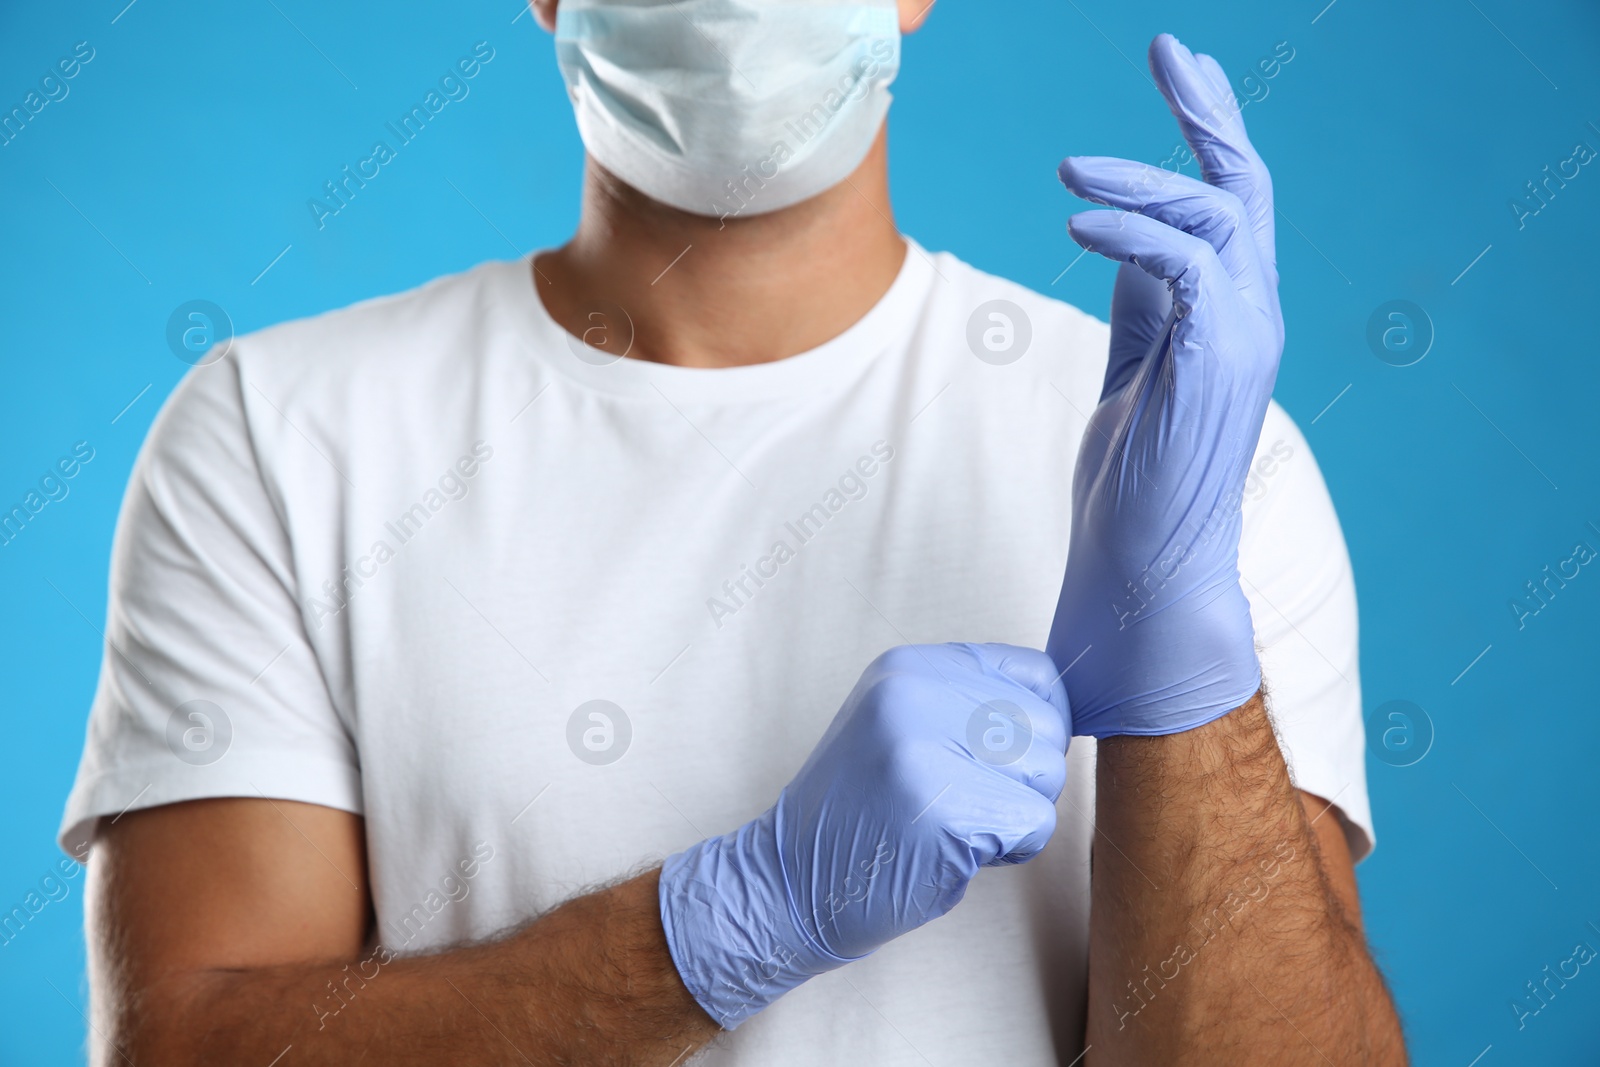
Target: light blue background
<point x="180" y="165"/>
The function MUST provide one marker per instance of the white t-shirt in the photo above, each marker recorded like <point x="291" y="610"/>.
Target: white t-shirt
<point x="386" y="558"/>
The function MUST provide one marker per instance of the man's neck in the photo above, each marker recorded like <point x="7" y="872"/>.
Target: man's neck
<point x="707" y="292"/>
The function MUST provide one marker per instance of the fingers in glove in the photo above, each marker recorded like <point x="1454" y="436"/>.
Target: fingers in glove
<point x="1188" y="264"/>
<point x="1215" y="215"/>
<point x="1197" y="91"/>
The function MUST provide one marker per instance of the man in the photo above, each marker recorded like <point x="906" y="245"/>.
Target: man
<point x="438" y="622"/>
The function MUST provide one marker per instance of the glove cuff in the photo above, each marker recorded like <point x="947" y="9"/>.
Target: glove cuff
<point x="1164" y="673"/>
<point x="731" y="926"/>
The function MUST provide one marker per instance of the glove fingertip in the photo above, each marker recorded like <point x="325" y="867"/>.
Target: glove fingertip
<point x="1085" y="226"/>
<point x="1215" y="74"/>
<point x="1163" y="48"/>
<point x="1014" y="859"/>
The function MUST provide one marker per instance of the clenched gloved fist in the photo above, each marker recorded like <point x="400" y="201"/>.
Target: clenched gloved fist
<point x="943" y="759"/>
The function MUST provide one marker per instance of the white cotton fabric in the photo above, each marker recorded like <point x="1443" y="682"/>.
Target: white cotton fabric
<point x="559" y="531"/>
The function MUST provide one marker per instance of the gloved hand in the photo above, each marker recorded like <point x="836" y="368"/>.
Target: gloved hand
<point x="1151" y="600"/>
<point x="943" y="759"/>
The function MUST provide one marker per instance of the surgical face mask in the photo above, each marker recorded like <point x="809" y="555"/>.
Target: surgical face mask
<point x="729" y="107"/>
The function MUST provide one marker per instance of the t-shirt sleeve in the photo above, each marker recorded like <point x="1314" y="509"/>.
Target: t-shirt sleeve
<point x="208" y="685"/>
<point x="1296" y="573"/>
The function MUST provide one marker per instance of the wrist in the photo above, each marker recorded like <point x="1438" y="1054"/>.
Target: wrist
<point x="731" y="925"/>
<point x="1158" y="672"/>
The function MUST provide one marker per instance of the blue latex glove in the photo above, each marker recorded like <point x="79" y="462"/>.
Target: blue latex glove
<point x="944" y="759"/>
<point x="1151" y="600"/>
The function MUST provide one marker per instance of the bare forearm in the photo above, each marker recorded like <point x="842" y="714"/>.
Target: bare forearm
<point x="591" y="982"/>
<point x="1217" y="937"/>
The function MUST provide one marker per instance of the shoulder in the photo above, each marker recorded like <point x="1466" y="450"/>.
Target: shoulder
<point x="355" y="373"/>
<point x="1286" y="501"/>
<point x="371" y="340"/>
